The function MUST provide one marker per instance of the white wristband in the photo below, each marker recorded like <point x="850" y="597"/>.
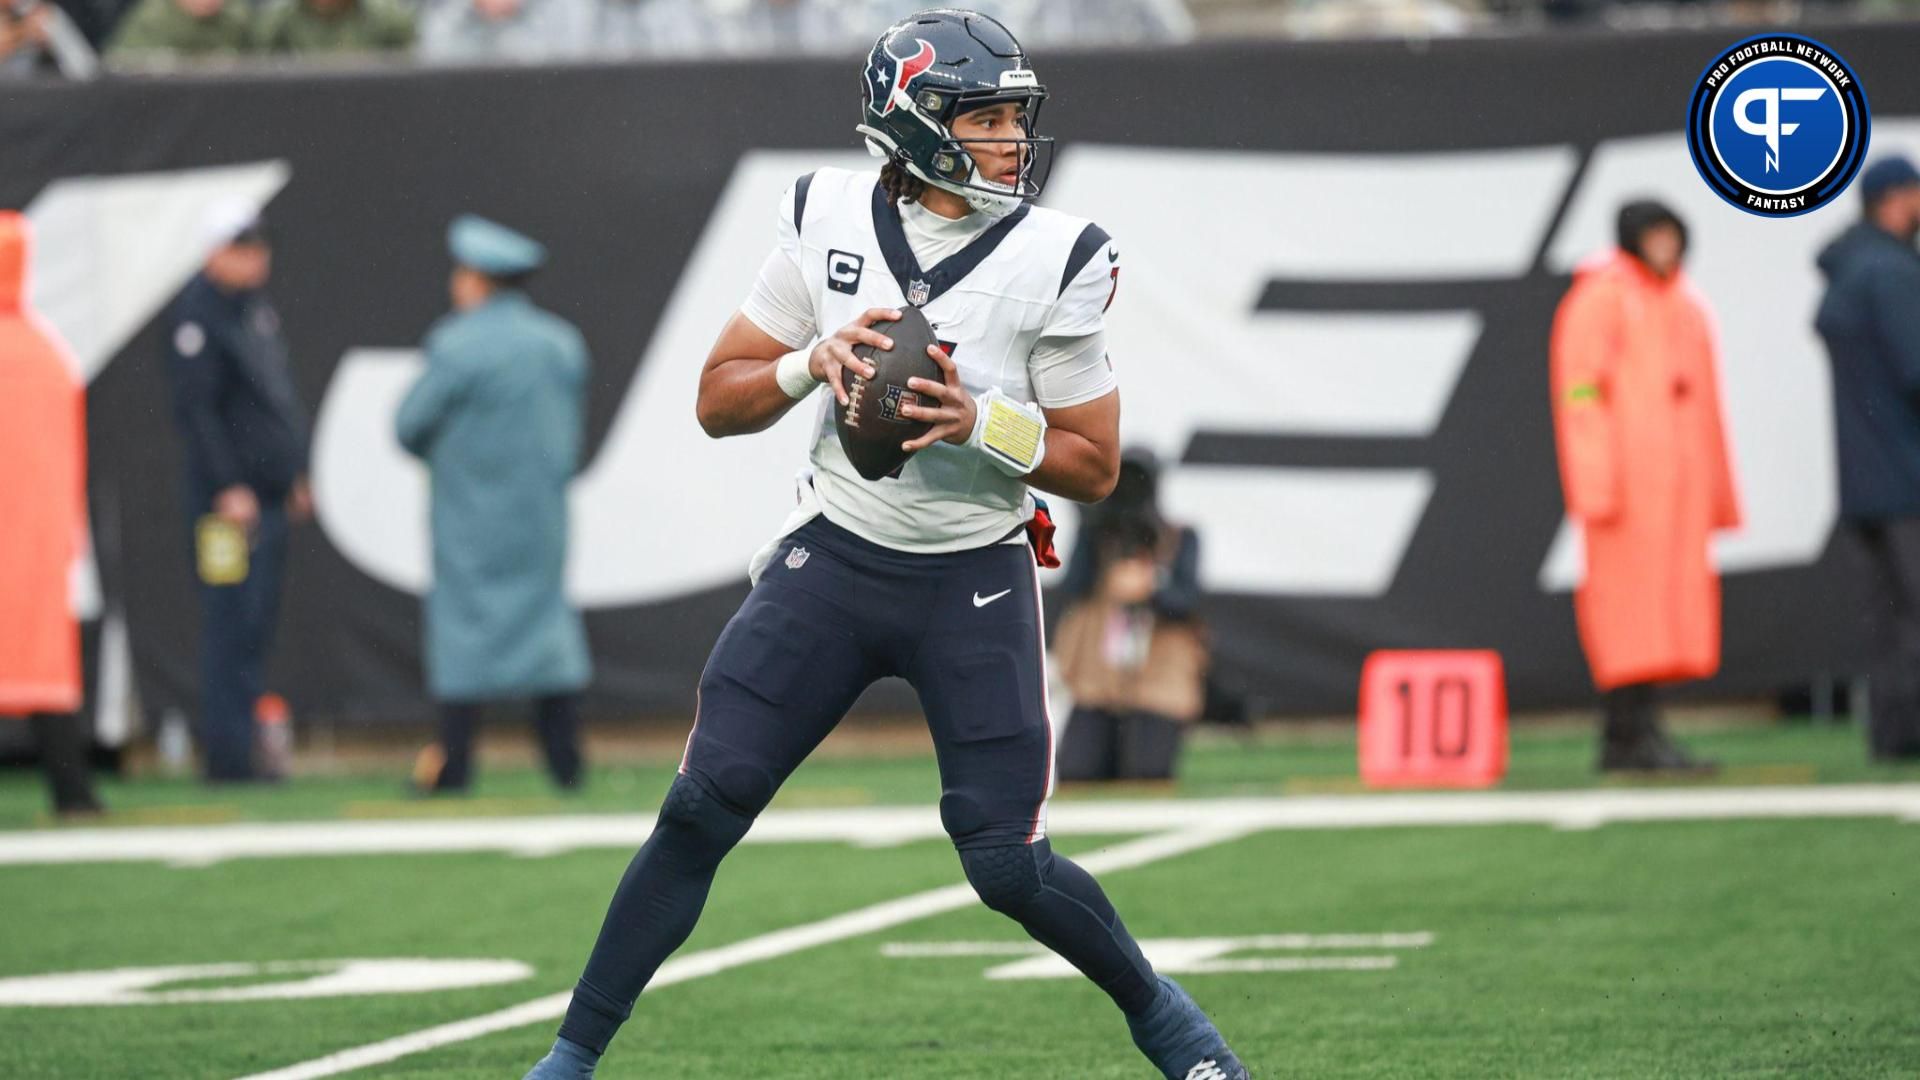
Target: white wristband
<point x="1012" y="435"/>
<point x="794" y="374"/>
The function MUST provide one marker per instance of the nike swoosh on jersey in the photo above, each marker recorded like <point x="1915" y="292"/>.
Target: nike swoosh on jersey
<point x="983" y="601"/>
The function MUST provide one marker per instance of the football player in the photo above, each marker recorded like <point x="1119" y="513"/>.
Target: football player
<point x="928" y="574"/>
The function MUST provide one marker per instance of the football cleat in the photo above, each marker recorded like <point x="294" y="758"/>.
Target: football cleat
<point x="567" y="1061"/>
<point x="1226" y="1067"/>
<point x="1181" y="1042"/>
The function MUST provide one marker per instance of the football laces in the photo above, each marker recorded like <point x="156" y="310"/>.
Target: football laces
<point x="853" y="400"/>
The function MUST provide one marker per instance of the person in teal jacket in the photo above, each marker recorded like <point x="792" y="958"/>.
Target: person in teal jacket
<point x="497" y="418"/>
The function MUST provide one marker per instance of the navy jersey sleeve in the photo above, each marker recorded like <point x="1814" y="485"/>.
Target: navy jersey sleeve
<point x="198" y="370"/>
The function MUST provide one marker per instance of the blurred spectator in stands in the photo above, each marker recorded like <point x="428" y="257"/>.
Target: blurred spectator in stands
<point x="1396" y="18"/>
<point x="245" y="436"/>
<point x="650" y="28"/>
<point x="1110" y="22"/>
<point x="1647" y="475"/>
<point x="1870" y="320"/>
<point x="315" y="27"/>
<point x="43" y="500"/>
<point x="95" y="19"/>
<point x="39" y="37"/>
<point x="771" y="26"/>
<point x="1130" y="645"/>
<point x="497" y="417"/>
<point x="1048" y="22"/>
<point x="685" y="28"/>
<point x="527" y="31"/>
<point x="23" y="39"/>
<point x="165" y="29"/>
<point x="759" y="27"/>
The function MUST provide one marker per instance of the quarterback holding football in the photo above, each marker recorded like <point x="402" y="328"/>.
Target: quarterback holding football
<point x="958" y="332"/>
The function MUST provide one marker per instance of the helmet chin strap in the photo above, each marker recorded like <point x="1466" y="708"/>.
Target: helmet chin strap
<point x="991" y="203"/>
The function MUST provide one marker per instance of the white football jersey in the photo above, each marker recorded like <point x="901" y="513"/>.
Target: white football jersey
<point x="1033" y="274"/>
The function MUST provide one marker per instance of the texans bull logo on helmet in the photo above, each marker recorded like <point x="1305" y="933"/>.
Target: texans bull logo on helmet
<point x="905" y="69"/>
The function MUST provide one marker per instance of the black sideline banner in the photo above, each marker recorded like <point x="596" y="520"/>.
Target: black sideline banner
<point x="1342" y="265"/>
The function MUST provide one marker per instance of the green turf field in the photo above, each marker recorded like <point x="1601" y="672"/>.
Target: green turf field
<point x="1668" y="949"/>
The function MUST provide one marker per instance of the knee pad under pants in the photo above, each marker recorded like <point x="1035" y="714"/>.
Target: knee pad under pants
<point x="1007" y="878"/>
<point x="1014" y="880"/>
<point x="1062" y="907"/>
<point x="698" y="826"/>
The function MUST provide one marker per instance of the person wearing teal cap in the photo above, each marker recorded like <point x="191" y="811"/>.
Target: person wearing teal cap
<point x="492" y="250"/>
<point x="497" y="418"/>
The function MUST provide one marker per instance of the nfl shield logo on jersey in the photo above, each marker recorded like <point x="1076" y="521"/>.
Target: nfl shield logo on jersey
<point x="917" y="292"/>
<point x="797" y="558"/>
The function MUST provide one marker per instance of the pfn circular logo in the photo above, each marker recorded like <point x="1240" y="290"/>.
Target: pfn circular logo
<point x="1778" y="125"/>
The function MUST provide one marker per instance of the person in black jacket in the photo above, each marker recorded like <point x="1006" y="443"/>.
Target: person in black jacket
<point x="1870" y="320"/>
<point x="245" y="436"/>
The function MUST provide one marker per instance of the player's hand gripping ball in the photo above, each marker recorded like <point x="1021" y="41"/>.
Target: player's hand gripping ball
<point x="870" y="421"/>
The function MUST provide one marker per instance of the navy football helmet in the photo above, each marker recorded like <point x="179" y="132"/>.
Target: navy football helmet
<point x="929" y="68"/>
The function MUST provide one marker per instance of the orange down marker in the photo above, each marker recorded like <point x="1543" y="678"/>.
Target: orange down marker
<point x="1433" y="718"/>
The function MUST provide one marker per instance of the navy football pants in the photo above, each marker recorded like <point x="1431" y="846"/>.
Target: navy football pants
<point x="237" y="625"/>
<point x="831" y="614"/>
<point x="963" y="629"/>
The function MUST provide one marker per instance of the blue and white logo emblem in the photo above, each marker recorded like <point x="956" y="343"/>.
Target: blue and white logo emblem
<point x="1778" y="125"/>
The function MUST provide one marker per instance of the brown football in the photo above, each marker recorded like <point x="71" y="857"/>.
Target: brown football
<point x="870" y="425"/>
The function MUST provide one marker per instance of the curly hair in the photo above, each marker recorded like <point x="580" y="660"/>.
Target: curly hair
<point x="901" y="185"/>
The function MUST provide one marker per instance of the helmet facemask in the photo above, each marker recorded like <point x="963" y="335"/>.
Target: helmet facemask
<point x="953" y="167"/>
<point x="911" y="98"/>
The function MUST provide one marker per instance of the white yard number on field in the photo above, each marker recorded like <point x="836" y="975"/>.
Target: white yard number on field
<point x="274" y="981"/>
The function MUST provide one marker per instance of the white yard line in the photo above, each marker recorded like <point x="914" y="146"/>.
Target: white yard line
<point x="866" y="920"/>
<point x="926" y="950"/>
<point x="205" y="845"/>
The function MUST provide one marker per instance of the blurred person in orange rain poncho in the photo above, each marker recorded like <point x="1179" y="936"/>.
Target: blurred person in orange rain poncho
<point x="43" y="503"/>
<point x="1645" y="466"/>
